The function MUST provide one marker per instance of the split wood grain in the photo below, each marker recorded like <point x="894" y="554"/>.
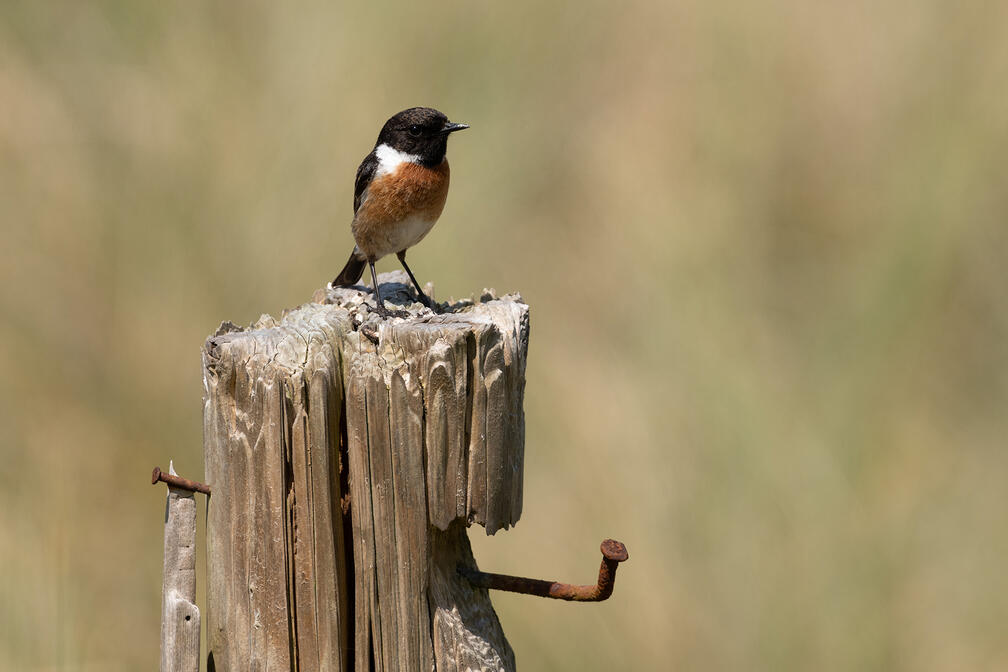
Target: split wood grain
<point x="421" y="420"/>
<point x="275" y="550"/>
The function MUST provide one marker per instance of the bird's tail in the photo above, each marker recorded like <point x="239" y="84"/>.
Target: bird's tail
<point x="352" y="272"/>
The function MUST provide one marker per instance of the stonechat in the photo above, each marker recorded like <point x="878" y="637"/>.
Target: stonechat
<point x="399" y="193"/>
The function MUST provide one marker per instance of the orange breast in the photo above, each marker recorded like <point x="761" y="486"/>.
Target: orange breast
<point x="409" y="198"/>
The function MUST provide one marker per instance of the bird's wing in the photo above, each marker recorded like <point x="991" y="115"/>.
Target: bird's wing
<point x="365" y="172"/>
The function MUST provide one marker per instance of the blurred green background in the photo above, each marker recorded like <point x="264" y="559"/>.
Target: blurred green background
<point x="765" y="246"/>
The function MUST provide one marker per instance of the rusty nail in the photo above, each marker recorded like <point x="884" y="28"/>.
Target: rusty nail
<point x="613" y="553"/>
<point x="178" y="482"/>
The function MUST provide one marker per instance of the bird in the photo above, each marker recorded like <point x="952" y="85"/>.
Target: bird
<point x="399" y="193"/>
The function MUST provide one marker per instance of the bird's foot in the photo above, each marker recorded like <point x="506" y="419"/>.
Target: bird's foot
<point x="385" y="313"/>
<point x="429" y="302"/>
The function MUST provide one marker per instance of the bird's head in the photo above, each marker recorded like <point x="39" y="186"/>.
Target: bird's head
<point x="419" y="131"/>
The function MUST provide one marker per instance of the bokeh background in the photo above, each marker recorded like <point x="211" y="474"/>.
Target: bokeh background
<point x="765" y="246"/>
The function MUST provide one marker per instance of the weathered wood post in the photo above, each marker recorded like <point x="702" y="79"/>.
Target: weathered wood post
<point x="180" y="617"/>
<point x="347" y="457"/>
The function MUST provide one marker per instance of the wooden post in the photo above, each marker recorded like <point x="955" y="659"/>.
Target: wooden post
<point x="180" y="618"/>
<point x="347" y="457"/>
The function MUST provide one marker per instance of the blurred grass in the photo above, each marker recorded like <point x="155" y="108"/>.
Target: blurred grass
<point x="764" y="245"/>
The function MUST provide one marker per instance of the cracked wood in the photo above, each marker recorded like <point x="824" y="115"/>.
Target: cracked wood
<point x="418" y="424"/>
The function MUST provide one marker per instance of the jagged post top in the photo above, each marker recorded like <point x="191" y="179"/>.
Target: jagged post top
<point x="346" y="456"/>
<point x="467" y="364"/>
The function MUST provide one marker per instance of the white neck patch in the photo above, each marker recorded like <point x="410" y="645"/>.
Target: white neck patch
<point x="389" y="159"/>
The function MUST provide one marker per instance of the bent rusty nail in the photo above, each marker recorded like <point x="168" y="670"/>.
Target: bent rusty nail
<point x="613" y="553"/>
<point x="178" y="482"/>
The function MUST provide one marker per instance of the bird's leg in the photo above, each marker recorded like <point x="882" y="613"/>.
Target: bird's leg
<point x="378" y="299"/>
<point x="424" y="299"/>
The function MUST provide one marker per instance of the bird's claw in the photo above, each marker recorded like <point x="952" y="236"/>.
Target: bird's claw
<point x="430" y="303"/>
<point x="385" y="313"/>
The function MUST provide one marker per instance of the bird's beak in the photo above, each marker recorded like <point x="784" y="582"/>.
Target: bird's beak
<point x="451" y="128"/>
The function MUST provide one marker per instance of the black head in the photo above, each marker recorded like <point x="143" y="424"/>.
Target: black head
<point x="421" y="131"/>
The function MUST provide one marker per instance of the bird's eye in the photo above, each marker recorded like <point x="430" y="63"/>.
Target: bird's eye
<point x="414" y="130"/>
